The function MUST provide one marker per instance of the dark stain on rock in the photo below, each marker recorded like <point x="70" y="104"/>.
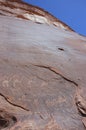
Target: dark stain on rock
<point x="6" y="119"/>
<point x="61" y="49"/>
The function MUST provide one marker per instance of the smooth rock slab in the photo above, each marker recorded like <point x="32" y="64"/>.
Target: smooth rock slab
<point x="42" y="77"/>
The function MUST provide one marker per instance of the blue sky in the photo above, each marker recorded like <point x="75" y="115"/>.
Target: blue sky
<point x="72" y="12"/>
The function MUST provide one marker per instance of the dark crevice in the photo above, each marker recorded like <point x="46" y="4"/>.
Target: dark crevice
<point x="16" y="105"/>
<point x="6" y="119"/>
<point x="2" y="14"/>
<point x="56" y="72"/>
<point x="61" y="49"/>
<point x="81" y="105"/>
<point x="79" y="101"/>
<point x="41" y="117"/>
<point x="3" y="122"/>
<point x="14" y="119"/>
<point x="81" y="114"/>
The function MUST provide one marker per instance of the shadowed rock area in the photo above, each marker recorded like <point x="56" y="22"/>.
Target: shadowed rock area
<point x="42" y="74"/>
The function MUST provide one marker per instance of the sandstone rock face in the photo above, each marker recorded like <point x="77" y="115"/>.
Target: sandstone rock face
<point x="19" y="9"/>
<point x="42" y="75"/>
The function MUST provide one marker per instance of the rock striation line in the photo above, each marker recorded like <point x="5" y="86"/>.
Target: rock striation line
<point x="16" y="105"/>
<point x="57" y="72"/>
<point x="79" y="101"/>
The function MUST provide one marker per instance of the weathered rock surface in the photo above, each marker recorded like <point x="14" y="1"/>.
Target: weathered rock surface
<point x="42" y="76"/>
<point x="19" y="9"/>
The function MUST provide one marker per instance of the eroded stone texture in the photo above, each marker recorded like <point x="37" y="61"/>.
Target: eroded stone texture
<point x="42" y="77"/>
<point x="22" y="10"/>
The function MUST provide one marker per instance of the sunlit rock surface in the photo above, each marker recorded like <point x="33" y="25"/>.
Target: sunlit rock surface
<point x="19" y="9"/>
<point x="42" y="74"/>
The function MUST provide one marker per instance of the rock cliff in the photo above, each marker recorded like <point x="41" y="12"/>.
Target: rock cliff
<point x="42" y="71"/>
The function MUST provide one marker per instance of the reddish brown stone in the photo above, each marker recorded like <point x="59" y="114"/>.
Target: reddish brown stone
<point x="42" y="76"/>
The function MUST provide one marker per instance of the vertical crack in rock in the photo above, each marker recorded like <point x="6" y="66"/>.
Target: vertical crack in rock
<point x="16" y="105"/>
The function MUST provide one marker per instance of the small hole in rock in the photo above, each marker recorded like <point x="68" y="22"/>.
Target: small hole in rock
<point x="3" y="122"/>
<point x="61" y="49"/>
<point x="6" y="119"/>
<point x="14" y="119"/>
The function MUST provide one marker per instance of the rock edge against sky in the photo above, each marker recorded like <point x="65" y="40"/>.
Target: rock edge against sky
<point x="42" y="71"/>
